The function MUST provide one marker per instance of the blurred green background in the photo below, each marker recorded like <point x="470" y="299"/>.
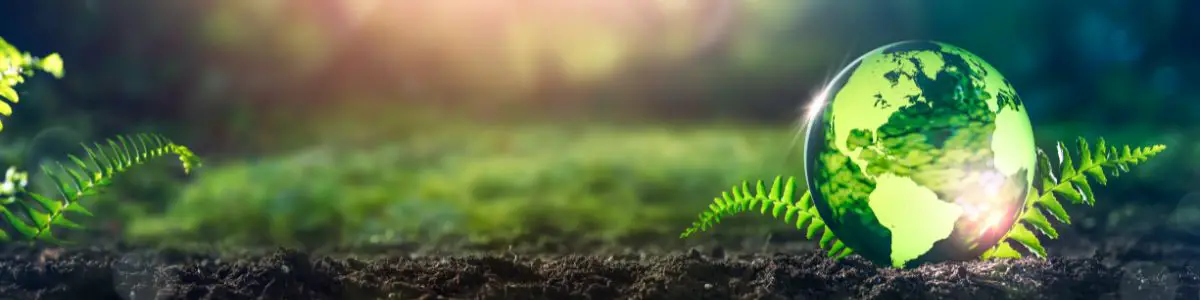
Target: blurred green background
<point x="490" y="123"/>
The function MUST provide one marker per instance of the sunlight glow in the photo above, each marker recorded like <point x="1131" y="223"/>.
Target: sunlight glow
<point x="984" y="206"/>
<point x="815" y="105"/>
<point x="490" y="46"/>
<point x="992" y="220"/>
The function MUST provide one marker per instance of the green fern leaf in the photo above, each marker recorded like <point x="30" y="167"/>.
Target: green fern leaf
<point x="76" y="208"/>
<point x="9" y="93"/>
<point x="80" y="182"/>
<point x="1046" y="200"/>
<point x="1002" y="250"/>
<point x="813" y="226"/>
<point x="1051" y="204"/>
<point x="789" y="193"/>
<point x="836" y="248"/>
<point x="1085" y="155"/>
<point x="1070" y="181"/>
<point x="63" y="190"/>
<point x="84" y="177"/>
<point x="17" y="224"/>
<point x="1036" y="219"/>
<point x="791" y="211"/>
<point x="66" y="223"/>
<point x="121" y="160"/>
<point x="780" y="199"/>
<point x="94" y="163"/>
<point x="803" y="217"/>
<point x="1085" y="189"/>
<point x="47" y="203"/>
<point x="845" y="251"/>
<point x="1023" y="236"/>
<point x="826" y="239"/>
<point x="79" y="162"/>
<point x="1064" y="161"/>
<point x="1068" y="191"/>
<point x="40" y="219"/>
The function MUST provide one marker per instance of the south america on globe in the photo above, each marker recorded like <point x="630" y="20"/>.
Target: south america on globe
<point x="917" y="152"/>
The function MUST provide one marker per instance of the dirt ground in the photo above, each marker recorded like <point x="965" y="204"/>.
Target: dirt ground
<point x="1152" y="260"/>
<point x="1156" y="270"/>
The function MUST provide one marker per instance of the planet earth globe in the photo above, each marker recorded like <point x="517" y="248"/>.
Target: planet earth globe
<point x="919" y="152"/>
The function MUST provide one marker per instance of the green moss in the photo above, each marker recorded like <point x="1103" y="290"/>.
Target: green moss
<point x="483" y="183"/>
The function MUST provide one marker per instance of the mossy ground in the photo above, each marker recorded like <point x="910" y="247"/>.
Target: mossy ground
<point x="477" y="185"/>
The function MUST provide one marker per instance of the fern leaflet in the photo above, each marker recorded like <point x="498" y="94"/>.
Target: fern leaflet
<point x="779" y="199"/>
<point x="79" y="178"/>
<point x="1071" y="183"/>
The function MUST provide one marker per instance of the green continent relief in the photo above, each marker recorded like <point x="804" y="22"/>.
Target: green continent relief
<point x="932" y="130"/>
<point x="912" y="234"/>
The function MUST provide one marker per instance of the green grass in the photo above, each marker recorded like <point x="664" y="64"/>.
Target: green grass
<point x="474" y="183"/>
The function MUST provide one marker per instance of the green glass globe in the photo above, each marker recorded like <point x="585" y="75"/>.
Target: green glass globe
<point x="919" y="152"/>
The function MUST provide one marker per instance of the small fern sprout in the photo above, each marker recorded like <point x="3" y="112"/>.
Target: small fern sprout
<point x="779" y="199"/>
<point x="76" y="179"/>
<point x="187" y="159"/>
<point x="33" y="216"/>
<point x="1070" y="181"/>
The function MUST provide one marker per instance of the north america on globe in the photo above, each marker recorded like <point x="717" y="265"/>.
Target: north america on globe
<point x="917" y="152"/>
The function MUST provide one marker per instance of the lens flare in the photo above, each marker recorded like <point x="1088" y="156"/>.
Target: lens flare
<point x="984" y="205"/>
<point x="815" y="105"/>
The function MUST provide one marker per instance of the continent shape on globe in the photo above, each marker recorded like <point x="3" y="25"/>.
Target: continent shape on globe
<point x="919" y="151"/>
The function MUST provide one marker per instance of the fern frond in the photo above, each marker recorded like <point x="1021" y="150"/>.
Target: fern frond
<point x="81" y="177"/>
<point x="1071" y="182"/>
<point x="779" y="199"/>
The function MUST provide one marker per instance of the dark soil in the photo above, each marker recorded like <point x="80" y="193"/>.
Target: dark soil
<point x="107" y="273"/>
<point x="1138" y="256"/>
